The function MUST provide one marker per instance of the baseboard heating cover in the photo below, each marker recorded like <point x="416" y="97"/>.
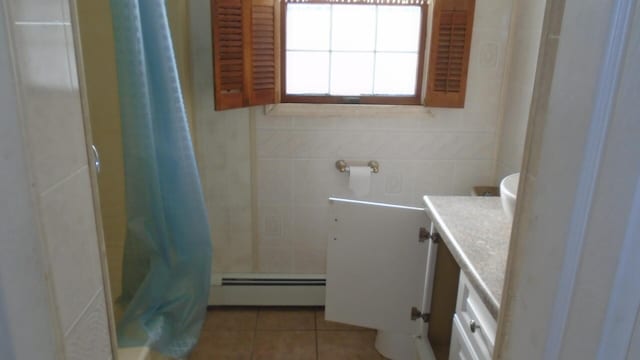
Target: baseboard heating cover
<point x="267" y="290"/>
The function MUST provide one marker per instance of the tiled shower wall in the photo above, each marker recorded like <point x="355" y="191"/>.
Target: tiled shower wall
<point x="285" y="157"/>
<point x="50" y="100"/>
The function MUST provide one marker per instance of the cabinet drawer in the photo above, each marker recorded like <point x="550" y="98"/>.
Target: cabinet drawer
<point x="461" y="348"/>
<point x="475" y="320"/>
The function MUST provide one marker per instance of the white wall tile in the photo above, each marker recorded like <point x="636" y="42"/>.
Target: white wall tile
<point x="468" y="174"/>
<point x="89" y="337"/>
<point x="70" y="231"/>
<point x="238" y="256"/>
<point x="37" y="10"/>
<point x="274" y="224"/>
<point x="528" y="17"/>
<point x="275" y="259"/>
<point x="310" y="234"/>
<point x="275" y="177"/>
<point x="52" y="106"/>
<point x="314" y="181"/>
<point x="433" y="178"/>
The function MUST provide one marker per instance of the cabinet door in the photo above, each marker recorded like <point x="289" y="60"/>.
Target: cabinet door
<point x="461" y="348"/>
<point x="375" y="264"/>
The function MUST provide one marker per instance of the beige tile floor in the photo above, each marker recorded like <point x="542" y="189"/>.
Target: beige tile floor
<point x="261" y="333"/>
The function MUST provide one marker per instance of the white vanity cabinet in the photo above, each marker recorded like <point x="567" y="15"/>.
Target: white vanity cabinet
<point x="400" y="270"/>
<point x="474" y="329"/>
<point x="379" y="270"/>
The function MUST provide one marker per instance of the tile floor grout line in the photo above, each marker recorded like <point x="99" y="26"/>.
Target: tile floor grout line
<point x="315" y="323"/>
<point x="255" y="334"/>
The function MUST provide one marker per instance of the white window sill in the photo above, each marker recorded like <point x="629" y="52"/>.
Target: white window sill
<point x="347" y="110"/>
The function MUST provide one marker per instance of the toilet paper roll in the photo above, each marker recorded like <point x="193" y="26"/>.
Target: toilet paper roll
<point x="360" y="180"/>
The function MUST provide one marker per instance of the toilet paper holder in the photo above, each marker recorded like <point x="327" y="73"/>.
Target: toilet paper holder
<point x="342" y="166"/>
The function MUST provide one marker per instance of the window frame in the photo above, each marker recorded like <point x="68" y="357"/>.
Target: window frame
<point x="416" y="99"/>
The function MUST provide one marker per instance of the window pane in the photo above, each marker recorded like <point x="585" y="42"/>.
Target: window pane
<point x="307" y="72"/>
<point x="395" y="74"/>
<point x="354" y="27"/>
<point x="351" y="73"/>
<point x="308" y="27"/>
<point x="398" y="28"/>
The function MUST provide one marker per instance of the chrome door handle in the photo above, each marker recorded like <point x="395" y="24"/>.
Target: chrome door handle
<point x="96" y="159"/>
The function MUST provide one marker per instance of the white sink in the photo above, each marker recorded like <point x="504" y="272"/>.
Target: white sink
<point x="508" y="192"/>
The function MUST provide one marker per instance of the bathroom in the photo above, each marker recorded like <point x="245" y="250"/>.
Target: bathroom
<point x="267" y="173"/>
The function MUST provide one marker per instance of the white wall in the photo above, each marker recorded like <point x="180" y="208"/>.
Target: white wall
<point x="52" y="119"/>
<point x="524" y="43"/>
<point x="420" y="151"/>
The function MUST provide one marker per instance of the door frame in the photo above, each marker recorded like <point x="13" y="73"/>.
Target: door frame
<point x="93" y="175"/>
<point x="562" y="262"/>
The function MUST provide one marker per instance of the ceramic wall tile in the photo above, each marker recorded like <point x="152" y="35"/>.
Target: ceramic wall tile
<point x="238" y="256"/>
<point x="433" y="178"/>
<point x="37" y="10"/>
<point x="468" y="174"/>
<point x="314" y="181"/>
<point x="70" y="231"/>
<point x="274" y="226"/>
<point x="89" y="337"/>
<point x="275" y="259"/>
<point x="309" y="235"/>
<point x="528" y="18"/>
<point x="275" y="177"/>
<point x="52" y="111"/>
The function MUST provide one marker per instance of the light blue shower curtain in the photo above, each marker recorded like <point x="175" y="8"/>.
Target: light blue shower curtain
<point x="167" y="255"/>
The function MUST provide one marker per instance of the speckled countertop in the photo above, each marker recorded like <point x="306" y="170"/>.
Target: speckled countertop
<point x="477" y="231"/>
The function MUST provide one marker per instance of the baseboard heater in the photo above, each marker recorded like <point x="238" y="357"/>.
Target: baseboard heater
<point x="267" y="290"/>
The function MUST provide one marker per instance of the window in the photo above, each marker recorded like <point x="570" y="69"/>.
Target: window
<point x="338" y="52"/>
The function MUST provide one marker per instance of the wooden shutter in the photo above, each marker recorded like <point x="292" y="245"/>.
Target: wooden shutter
<point x="449" y="57"/>
<point x="244" y="52"/>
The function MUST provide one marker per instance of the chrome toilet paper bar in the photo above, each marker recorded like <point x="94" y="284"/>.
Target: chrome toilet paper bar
<point x="342" y="166"/>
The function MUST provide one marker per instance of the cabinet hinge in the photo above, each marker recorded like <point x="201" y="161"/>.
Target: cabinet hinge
<point x="423" y="235"/>
<point x="416" y="314"/>
<point x="436" y="238"/>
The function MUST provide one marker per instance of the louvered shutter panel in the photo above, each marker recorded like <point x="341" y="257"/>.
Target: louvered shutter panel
<point x="449" y="57"/>
<point x="263" y="52"/>
<point x="228" y="44"/>
<point x="244" y="52"/>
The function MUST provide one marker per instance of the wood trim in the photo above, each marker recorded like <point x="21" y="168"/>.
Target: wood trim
<point x="227" y="99"/>
<point x="352" y="100"/>
<point x="453" y="95"/>
<point x="239" y="80"/>
<point x="355" y="2"/>
<point x="424" y="18"/>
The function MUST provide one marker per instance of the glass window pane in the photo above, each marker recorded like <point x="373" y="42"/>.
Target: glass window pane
<point x="398" y="28"/>
<point x="351" y="73"/>
<point x="308" y="26"/>
<point x="353" y="27"/>
<point x="307" y="72"/>
<point x="395" y="74"/>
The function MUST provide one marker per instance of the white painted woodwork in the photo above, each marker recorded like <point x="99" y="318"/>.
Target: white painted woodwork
<point x="563" y="297"/>
<point x="375" y="264"/>
<point x="470" y="308"/>
<point x="461" y="348"/>
<point x="423" y="327"/>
